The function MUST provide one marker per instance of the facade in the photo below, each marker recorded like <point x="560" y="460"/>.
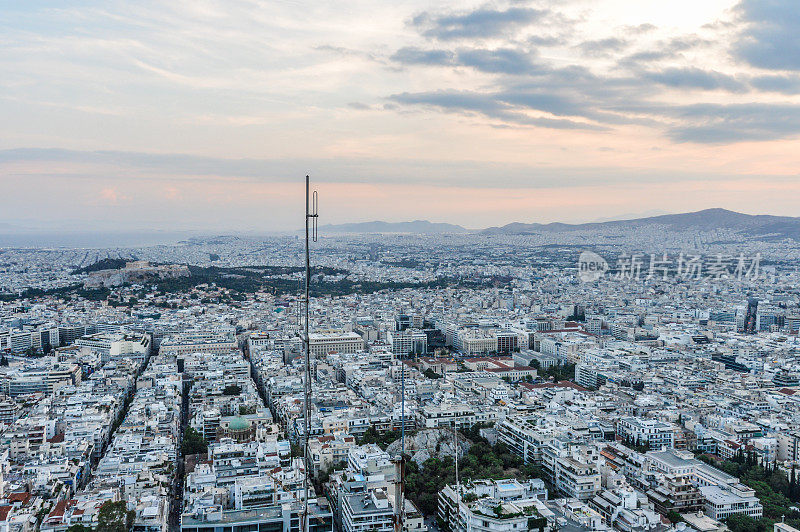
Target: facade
<point x="722" y="502"/>
<point x="367" y="511"/>
<point x="324" y="342"/>
<point x="656" y="434"/>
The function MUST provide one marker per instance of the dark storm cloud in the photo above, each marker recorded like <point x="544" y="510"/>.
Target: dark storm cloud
<point x="771" y="38"/>
<point x="481" y="23"/>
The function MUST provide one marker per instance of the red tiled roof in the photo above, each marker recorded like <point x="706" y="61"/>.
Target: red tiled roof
<point x="58" y="511"/>
<point x="58" y="438"/>
<point x="22" y="497"/>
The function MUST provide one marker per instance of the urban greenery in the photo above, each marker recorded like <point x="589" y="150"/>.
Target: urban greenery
<point x="79" y="528"/>
<point x="483" y="460"/>
<point x="778" y="492"/>
<point x="115" y="517"/>
<point x="232" y="389"/>
<point x="559" y="372"/>
<point x="381" y="440"/>
<point x="193" y="443"/>
<point x="431" y="374"/>
<point x="104" y="264"/>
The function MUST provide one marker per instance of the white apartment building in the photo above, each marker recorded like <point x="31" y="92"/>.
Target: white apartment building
<point x="368" y="511"/>
<point x="722" y="502"/>
<point x="497" y="509"/>
<point x="325" y="342"/>
<point x="656" y="434"/>
<point x="114" y="346"/>
<point x="409" y="341"/>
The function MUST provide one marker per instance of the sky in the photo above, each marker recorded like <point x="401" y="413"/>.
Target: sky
<point x="206" y="115"/>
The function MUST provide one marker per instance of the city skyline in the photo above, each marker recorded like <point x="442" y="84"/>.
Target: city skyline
<point x="415" y="266"/>
<point x="203" y="116"/>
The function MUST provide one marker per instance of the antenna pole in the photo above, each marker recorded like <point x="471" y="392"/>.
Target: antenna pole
<point x="401" y="514"/>
<point x="311" y="219"/>
<point x="455" y="454"/>
<point x="402" y="409"/>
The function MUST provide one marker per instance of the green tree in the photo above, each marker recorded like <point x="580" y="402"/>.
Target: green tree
<point x="115" y="517"/>
<point x="193" y="443"/>
<point x="745" y="523"/>
<point x="559" y="372"/>
<point x="381" y="440"/>
<point x="79" y="528"/>
<point x="232" y="389"/>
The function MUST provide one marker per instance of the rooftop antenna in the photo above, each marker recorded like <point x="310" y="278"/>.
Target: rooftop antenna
<point x="311" y="231"/>
<point x="402" y="486"/>
<point x="455" y="454"/>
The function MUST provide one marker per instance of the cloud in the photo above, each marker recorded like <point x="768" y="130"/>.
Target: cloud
<point x="499" y="61"/>
<point x="546" y="40"/>
<point x="478" y="24"/>
<point x="602" y="47"/>
<point x="695" y="78"/>
<point x="508" y="107"/>
<point x="417" y="56"/>
<point x="453" y="100"/>
<point x="648" y="57"/>
<point x="640" y="29"/>
<point x="771" y="37"/>
<point x="785" y="84"/>
<point x="529" y="89"/>
<point x="720" y="123"/>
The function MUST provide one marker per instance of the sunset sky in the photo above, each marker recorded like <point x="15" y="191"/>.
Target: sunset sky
<point x="206" y="115"/>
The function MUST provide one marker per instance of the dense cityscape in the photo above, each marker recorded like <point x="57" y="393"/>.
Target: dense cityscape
<point x="471" y="381"/>
<point x="400" y="266"/>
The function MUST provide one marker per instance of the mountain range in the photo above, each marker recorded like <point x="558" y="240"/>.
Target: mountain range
<point x="763" y="226"/>
<point x="417" y="226"/>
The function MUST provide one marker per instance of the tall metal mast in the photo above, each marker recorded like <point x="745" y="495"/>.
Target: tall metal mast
<point x="402" y="486"/>
<point x="456" y="448"/>
<point x="311" y="220"/>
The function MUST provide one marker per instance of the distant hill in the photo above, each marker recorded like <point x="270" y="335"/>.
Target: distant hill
<point x="705" y="220"/>
<point x="417" y="226"/>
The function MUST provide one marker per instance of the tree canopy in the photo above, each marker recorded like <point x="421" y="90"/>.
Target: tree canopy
<point x="193" y="443"/>
<point x="115" y="517"/>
